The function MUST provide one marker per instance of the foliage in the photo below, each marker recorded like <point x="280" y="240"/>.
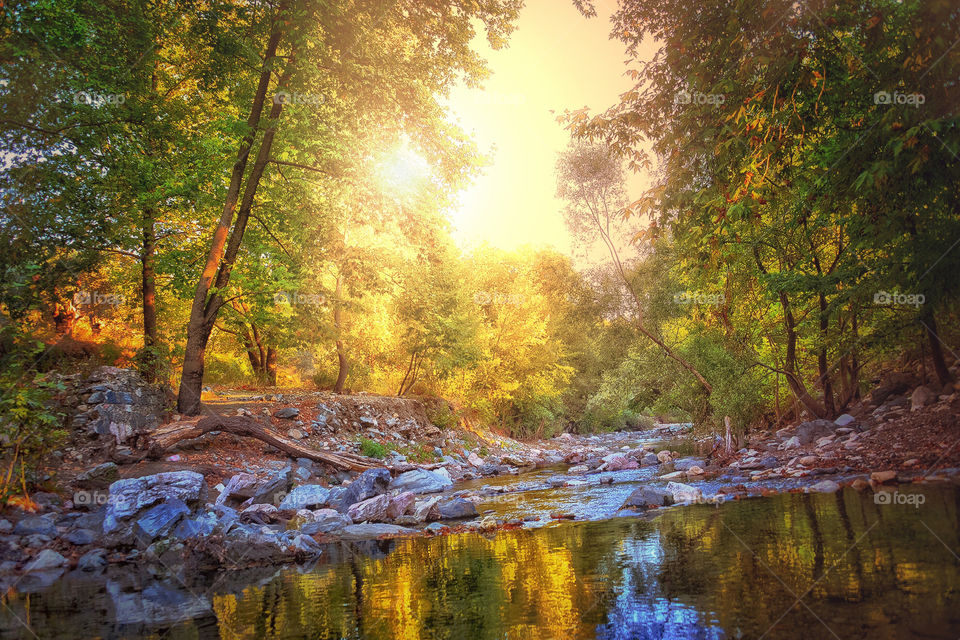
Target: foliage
<point x="372" y="448"/>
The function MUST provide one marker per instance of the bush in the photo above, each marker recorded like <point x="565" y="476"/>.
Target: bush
<point x="373" y="449"/>
<point x="30" y="426"/>
<point x="442" y="416"/>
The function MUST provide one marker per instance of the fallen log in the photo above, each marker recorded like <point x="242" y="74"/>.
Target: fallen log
<point x="169" y="435"/>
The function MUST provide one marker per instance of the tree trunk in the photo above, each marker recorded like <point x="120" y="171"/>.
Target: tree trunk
<point x="826" y="384"/>
<point x="149" y="292"/>
<point x="203" y="311"/>
<point x="270" y="370"/>
<point x="343" y="363"/>
<point x="167" y="436"/>
<point x="936" y="347"/>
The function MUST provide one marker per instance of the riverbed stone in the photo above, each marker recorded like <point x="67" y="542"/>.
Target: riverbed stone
<point x="130" y="496"/>
<point x="99" y="477"/>
<point x="287" y="413"/>
<point x="456" y="508"/>
<point x="370" y="510"/>
<point x="326" y="521"/>
<point x="369" y="484"/>
<point x="81" y="537"/>
<point x="824" y="486"/>
<point x="844" y="420"/>
<point x="307" y="496"/>
<point x="400" y="504"/>
<point x="160" y="519"/>
<point x="882" y="477"/>
<point x="809" y="431"/>
<point x="369" y="531"/>
<point x="619" y="462"/>
<point x="684" y="492"/>
<point x="645" y="497"/>
<point x="46" y="560"/>
<point x="92" y="560"/>
<point x="421" y="481"/>
<point x="36" y="524"/>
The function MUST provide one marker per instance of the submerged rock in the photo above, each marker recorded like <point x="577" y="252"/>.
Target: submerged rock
<point x="457" y="508"/>
<point x="645" y="497"/>
<point x="370" y="531"/>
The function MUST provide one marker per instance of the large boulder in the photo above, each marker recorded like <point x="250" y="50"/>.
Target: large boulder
<point x="370" y="510"/>
<point x="308" y="496"/>
<point x="369" y="484"/>
<point x="811" y="430"/>
<point x="245" y="489"/>
<point x="132" y="496"/>
<point x="456" y="508"/>
<point x="400" y="504"/>
<point x="619" y="462"/>
<point x="326" y="521"/>
<point x="160" y="520"/>
<point x="645" y="497"/>
<point x="421" y="481"/>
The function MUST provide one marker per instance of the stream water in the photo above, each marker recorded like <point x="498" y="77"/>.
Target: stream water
<point x="787" y="566"/>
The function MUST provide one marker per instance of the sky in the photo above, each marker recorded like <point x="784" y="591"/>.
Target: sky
<point x="555" y="60"/>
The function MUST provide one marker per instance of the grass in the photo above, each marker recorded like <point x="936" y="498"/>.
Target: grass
<point x="373" y="449"/>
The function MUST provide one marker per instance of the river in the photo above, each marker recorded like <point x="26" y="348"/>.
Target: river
<point x="792" y="565"/>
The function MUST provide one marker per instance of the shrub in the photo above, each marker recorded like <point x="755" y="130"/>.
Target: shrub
<point x="442" y="416"/>
<point x="373" y="449"/>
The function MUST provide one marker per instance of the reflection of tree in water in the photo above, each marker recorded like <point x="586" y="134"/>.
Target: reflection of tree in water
<point x="872" y="571"/>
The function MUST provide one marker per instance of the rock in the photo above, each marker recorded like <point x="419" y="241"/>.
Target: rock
<point x="6" y="526"/>
<point x="695" y="471"/>
<point x="859" y="484"/>
<point x="160" y="520"/>
<point x="245" y="489"/>
<point x="921" y="397"/>
<point x="44" y="561"/>
<point x="372" y="531"/>
<point x="421" y="481"/>
<point x="370" y="510"/>
<point x="81" y="537"/>
<point x="684" y="492"/>
<point x="435" y="528"/>
<point x="307" y="496"/>
<point x="92" y="560"/>
<point x="824" y="486"/>
<point x="645" y="497"/>
<point x="808" y="432"/>
<point x="36" y="524"/>
<point x="457" y="508"/>
<point x="474" y="459"/>
<point x="99" y="477"/>
<point x="791" y="443"/>
<point x="808" y="461"/>
<point x="673" y="475"/>
<point x="619" y="462"/>
<point x="844" y="420"/>
<point x="304" y="544"/>
<point x="326" y="521"/>
<point x="265" y="510"/>
<point x="287" y="413"/>
<point x="578" y="470"/>
<point x="400" y="504"/>
<point x="200" y="526"/>
<point x="882" y="477"/>
<point x="295" y="434"/>
<point x="566" y="436"/>
<point x="369" y="484"/>
<point x="426" y="510"/>
<point x="769" y="462"/>
<point x="663" y="456"/>
<point x="685" y="463"/>
<point x="649" y="459"/>
<point x="130" y="496"/>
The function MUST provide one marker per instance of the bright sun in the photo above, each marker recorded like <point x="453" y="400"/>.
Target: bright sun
<point x="402" y="171"/>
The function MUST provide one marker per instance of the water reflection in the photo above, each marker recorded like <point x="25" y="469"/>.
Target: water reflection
<point x="863" y="571"/>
